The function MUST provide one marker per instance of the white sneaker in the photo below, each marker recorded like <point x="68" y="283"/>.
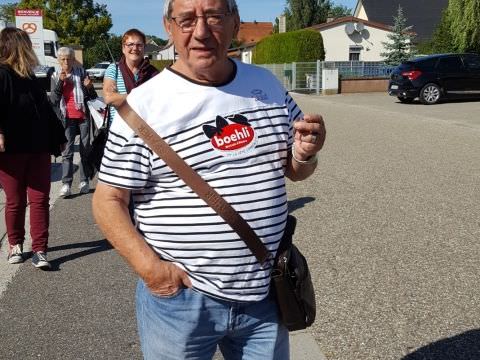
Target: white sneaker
<point x="15" y="255"/>
<point x="65" y="190"/>
<point x="84" y="187"/>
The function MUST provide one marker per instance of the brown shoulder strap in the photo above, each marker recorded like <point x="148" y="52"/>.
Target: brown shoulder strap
<point x="194" y="181"/>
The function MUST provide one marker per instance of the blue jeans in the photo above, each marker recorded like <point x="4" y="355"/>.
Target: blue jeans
<point x="190" y="325"/>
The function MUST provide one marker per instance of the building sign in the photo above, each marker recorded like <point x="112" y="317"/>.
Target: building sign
<point x="31" y="21"/>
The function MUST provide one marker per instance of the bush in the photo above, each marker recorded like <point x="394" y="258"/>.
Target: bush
<point x="293" y="46"/>
<point x="161" y="64"/>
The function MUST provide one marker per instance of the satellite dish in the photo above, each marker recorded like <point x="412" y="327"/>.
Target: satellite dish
<point x="349" y="28"/>
<point x="360" y="27"/>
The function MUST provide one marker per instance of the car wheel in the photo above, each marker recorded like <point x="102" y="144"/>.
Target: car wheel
<point x="430" y="94"/>
<point x="405" y="100"/>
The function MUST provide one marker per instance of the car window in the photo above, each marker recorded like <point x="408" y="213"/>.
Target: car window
<point x="406" y="66"/>
<point x="427" y="65"/>
<point x="472" y="62"/>
<point x="450" y="64"/>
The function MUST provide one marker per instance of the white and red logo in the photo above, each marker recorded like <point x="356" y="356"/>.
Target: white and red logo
<point x="236" y="136"/>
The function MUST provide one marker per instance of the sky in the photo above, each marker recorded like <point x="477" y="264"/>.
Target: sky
<point x="147" y="14"/>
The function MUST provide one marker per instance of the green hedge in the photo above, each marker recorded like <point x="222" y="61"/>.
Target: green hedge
<point x="293" y="46"/>
<point x="161" y="64"/>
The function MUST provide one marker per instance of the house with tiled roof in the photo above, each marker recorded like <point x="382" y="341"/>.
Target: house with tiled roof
<point x="353" y="39"/>
<point x="422" y="15"/>
<point x="253" y="32"/>
<point x="249" y="34"/>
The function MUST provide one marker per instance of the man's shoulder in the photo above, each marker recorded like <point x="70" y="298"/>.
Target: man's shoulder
<point x="251" y="71"/>
<point x="252" y="68"/>
<point x="156" y="86"/>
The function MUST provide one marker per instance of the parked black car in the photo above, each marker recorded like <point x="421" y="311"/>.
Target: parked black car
<point x="436" y="77"/>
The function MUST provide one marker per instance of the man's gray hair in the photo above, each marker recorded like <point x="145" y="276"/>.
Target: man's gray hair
<point x="66" y="51"/>
<point x="167" y="11"/>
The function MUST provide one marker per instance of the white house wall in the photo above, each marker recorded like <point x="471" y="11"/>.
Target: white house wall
<point x="166" y="54"/>
<point x="247" y="55"/>
<point x="362" y="14"/>
<point x="337" y="43"/>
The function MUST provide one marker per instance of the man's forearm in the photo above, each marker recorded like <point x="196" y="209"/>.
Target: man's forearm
<point x="111" y="214"/>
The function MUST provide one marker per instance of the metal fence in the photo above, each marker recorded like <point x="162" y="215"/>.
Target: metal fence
<point x="307" y="76"/>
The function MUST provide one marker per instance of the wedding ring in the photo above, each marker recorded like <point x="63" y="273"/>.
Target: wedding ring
<point x="314" y="138"/>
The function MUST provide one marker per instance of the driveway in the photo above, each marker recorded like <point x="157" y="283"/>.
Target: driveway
<point x="390" y="226"/>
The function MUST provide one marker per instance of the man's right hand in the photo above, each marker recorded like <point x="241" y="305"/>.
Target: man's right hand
<point x="166" y="279"/>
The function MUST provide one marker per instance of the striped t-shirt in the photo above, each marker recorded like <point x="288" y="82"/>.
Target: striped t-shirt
<point x="237" y="137"/>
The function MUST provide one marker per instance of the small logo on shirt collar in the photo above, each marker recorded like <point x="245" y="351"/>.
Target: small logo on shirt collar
<point x="259" y="94"/>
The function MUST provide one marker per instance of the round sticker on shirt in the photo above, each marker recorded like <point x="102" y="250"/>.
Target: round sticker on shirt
<point x="231" y="136"/>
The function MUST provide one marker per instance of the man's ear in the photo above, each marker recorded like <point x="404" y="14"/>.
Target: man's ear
<point x="168" y="26"/>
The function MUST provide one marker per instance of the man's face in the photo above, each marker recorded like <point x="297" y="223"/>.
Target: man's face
<point x="66" y="62"/>
<point x="202" y="48"/>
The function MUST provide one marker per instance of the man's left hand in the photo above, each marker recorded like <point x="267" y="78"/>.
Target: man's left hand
<point x="309" y="136"/>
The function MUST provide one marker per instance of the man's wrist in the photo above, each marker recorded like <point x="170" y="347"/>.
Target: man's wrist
<point x="310" y="160"/>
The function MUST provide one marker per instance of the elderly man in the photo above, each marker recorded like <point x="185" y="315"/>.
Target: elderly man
<point x="71" y="89"/>
<point x="200" y="286"/>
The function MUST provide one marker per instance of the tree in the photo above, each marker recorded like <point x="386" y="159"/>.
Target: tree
<point x="157" y="40"/>
<point x="462" y="20"/>
<point x="7" y="13"/>
<point x="300" y="45"/>
<point x="400" y="47"/>
<point x="442" y="41"/>
<point x="99" y="51"/>
<point x="276" y="26"/>
<point x="77" y="22"/>
<point x="301" y="14"/>
<point x="304" y="13"/>
<point x="339" y="11"/>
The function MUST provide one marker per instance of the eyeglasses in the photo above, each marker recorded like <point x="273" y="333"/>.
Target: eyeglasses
<point x="131" y="45"/>
<point x="188" y="23"/>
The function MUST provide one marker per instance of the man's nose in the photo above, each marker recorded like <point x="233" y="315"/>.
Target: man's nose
<point x="202" y="30"/>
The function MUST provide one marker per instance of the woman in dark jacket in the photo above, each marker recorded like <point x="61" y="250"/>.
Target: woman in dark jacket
<point x="29" y="132"/>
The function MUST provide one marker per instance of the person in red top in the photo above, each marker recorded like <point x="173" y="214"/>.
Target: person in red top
<point x="71" y="88"/>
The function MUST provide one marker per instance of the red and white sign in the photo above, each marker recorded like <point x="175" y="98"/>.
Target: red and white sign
<point x="233" y="137"/>
<point x="31" y="21"/>
<point x="28" y="12"/>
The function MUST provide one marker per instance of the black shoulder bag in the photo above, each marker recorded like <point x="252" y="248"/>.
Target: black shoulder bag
<point x="291" y="281"/>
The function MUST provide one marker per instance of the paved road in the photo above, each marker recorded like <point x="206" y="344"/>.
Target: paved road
<point x="389" y="224"/>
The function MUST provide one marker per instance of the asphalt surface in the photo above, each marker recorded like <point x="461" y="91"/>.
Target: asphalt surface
<point x="389" y="223"/>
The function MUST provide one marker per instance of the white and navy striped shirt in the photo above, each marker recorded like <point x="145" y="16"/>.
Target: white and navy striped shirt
<point x="244" y="162"/>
